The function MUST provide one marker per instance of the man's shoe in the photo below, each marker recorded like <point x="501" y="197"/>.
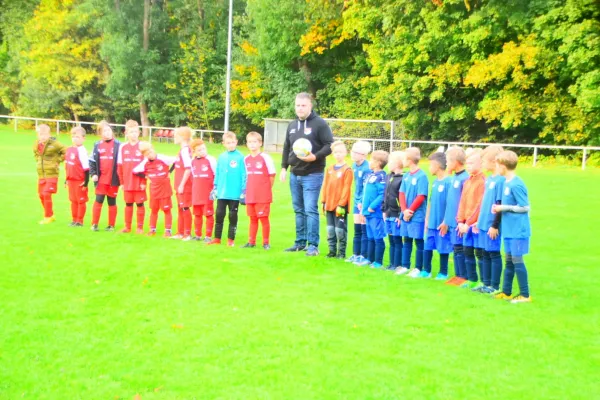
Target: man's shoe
<point x="151" y="232"/>
<point x="351" y="259"/>
<point x="502" y="296"/>
<point x="331" y="254"/>
<point x="125" y="230"/>
<point x="295" y="247"/>
<point x="469" y="285"/>
<point x="376" y="265"/>
<point x="167" y="233"/>
<point x="230" y="242"/>
<point x="363" y="262"/>
<point x="208" y="239"/>
<point x="186" y="238"/>
<point x="139" y="231"/>
<point x="312" y="251"/>
<point x="72" y="224"/>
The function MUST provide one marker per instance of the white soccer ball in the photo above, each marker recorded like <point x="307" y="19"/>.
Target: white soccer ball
<point x="302" y="147"/>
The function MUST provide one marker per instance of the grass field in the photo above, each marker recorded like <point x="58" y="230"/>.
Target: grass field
<point x="89" y="315"/>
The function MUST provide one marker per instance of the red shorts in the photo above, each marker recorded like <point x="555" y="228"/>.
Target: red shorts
<point x="184" y="200"/>
<point x="258" y="210"/>
<point x="161" y="204"/>
<point x="134" y="196"/>
<point x="107" y="190"/>
<point x="47" y="185"/>
<point x="77" y="193"/>
<point x="205" y="209"/>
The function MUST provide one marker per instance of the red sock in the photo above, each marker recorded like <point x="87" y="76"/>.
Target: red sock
<point x="81" y="208"/>
<point x="141" y="214"/>
<point x="180" y="222"/>
<point x="253" y="230"/>
<point x="128" y="216"/>
<point x="153" y="219"/>
<point x="266" y="229"/>
<point x="198" y="225"/>
<point x="187" y="222"/>
<point x="210" y="223"/>
<point x="96" y="211"/>
<point x="112" y="215"/>
<point x="168" y="219"/>
<point x="74" y="210"/>
<point x="48" y="205"/>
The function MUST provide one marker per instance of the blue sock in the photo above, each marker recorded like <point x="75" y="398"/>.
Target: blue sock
<point x="522" y="277"/>
<point x="486" y="269"/>
<point x="371" y="251"/>
<point x="379" y="250"/>
<point x="460" y="269"/>
<point x="406" y="252"/>
<point x="398" y="251"/>
<point x="444" y="264"/>
<point x="496" y="264"/>
<point x="427" y="257"/>
<point x="364" y="242"/>
<point x="392" y="249"/>
<point x="419" y="256"/>
<point x="471" y="264"/>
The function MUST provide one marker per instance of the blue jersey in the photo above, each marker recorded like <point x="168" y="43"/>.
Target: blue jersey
<point x="457" y="182"/>
<point x="373" y="194"/>
<point x="515" y="225"/>
<point x="413" y="185"/>
<point x="437" y="202"/>
<point x="360" y="174"/>
<point x="494" y="185"/>
<point x="230" y="178"/>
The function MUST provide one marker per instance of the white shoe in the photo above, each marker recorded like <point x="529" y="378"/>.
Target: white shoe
<point x="176" y="237"/>
<point x="414" y="273"/>
<point x="401" y="270"/>
<point x="186" y="238"/>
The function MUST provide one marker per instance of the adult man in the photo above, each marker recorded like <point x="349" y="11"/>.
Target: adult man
<point x="306" y="175"/>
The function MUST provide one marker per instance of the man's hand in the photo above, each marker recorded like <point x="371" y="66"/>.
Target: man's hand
<point x="309" y="158"/>
<point x="493" y="233"/>
<point x="282" y="175"/>
<point x="443" y="228"/>
<point x="95" y="178"/>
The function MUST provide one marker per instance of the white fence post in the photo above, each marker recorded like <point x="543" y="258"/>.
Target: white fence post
<point x="16" y="121"/>
<point x="57" y="128"/>
<point x="584" y="159"/>
<point x="150" y="135"/>
<point x="36" y="124"/>
<point x="392" y="137"/>
<point x="535" y="156"/>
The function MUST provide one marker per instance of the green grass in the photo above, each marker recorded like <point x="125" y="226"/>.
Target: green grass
<point x="89" y="315"/>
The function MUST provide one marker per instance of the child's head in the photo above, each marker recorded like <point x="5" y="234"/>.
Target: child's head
<point x="229" y="141"/>
<point x="254" y="141"/>
<point x="360" y="151"/>
<point x="198" y="148"/>
<point x="455" y="158"/>
<point x="105" y="131"/>
<point x="396" y="161"/>
<point x="413" y="156"/>
<point x="473" y="165"/>
<point x="147" y="150"/>
<point x="379" y="160"/>
<point x="488" y="157"/>
<point x="338" y="149"/>
<point x="77" y="135"/>
<point x="43" y="133"/>
<point x="132" y="130"/>
<point x="437" y="163"/>
<point x="183" y="134"/>
<point x="506" y="161"/>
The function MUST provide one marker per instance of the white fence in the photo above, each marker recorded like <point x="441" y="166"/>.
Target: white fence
<point x="151" y="129"/>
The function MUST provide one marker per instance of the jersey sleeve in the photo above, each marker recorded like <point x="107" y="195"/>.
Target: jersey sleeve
<point x="138" y="169"/>
<point x="83" y="158"/>
<point x="120" y="156"/>
<point x="169" y="160"/>
<point x="213" y="164"/>
<point x="520" y="193"/>
<point x="269" y="164"/>
<point x="186" y="158"/>
<point x="423" y="185"/>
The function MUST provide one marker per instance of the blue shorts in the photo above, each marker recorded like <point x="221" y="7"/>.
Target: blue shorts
<point x="433" y="241"/>
<point x="516" y="247"/>
<point x="413" y="230"/>
<point x="471" y="239"/>
<point x="487" y="243"/>
<point x="392" y="227"/>
<point x="375" y="228"/>
<point x="453" y="234"/>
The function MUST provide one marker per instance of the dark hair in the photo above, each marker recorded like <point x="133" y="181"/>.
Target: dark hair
<point x="440" y="158"/>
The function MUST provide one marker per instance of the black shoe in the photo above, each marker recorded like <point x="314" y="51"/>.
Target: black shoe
<point x="78" y="224"/>
<point x="197" y="238"/>
<point x="95" y="228"/>
<point x="295" y="248"/>
<point x="340" y="257"/>
<point x="109" y="228"/>
<point x="331" y="254"/>
<point x="390" y="268"/>
<point x="267" y="246"/>
<point x="72" y="224"/>
<point x="248" y="246"/>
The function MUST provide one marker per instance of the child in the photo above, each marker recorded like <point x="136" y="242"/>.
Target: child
<point x="391" y="208"/>
<point x="156" y="167"/>
<point x="77" y="167"/>
<point x="204" y="168"/>
<point x="134" y="187"/>
<point x="455" y="160"/>
<point x="516" y="228"/>
<point x="372" y="202"/>
<point x="436" y="209"/>
<point x="230" y="184"/>
<point x="468" y="214"/>
<point x="259" y="189"/>
<point x="104" y="172"/>
<point x="48" y="153"/>
<point x="335" y="196"/>
<point x="413" y="204"/>
<point x="183" y="184"/>
<point x="488" y="223"/>
<point x="360" y="243"/>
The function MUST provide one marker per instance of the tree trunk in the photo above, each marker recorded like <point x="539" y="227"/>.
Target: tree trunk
<point x="144" y="118"/>
<point x="305" y="69"/>
<point x="117" y="5"/>
<point x="146" y="44"/>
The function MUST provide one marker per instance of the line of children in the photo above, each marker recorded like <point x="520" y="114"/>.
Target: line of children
<point x="183" y="184"/>
<point x="77" y="171"/>
<point x="361" y="169"/>
<point x="134" y="187"/>
<point x="204" y="168"/>
<point x="48" y="154"/>
<point x="391" y="208"/>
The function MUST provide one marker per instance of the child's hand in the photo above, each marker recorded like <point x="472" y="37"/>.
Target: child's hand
<point x="496" y="208"/>
<point x="407" y="214"/>
<point x="475" y="229"/>
<point x="493" y="233"/>
<point x="143" y="187"/>
<point x="243" y="198"/>
<point x="95" y="178"/>
<point x="397" y="221"/>
<point x="443" y="228"/>
<point x="213" y="195"/>
<point x="463" y="228"/>
<point x="362" y="219"/>
<point x="359" y="206"/>
<point x="180" y="189"/>
<point x="370" y="210"/>
<point x="459" y="232"/>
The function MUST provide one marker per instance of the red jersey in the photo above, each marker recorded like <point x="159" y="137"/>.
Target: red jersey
<point x="183" y="162"/>
<point x="76" y="163"/>
<point x="106" y="149"/>
<point x="260" y="170"/>
<point x="203" y="177"/>
<point x="129" y="156"/>
<point x="157" y="171"/>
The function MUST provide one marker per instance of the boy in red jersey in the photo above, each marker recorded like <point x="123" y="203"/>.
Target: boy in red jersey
<point x="103" y="170"/>
<point x="204" y="168"/>
<point x="156" y="167"/>
<point x="77" y="168"/>
<point x="183" y="184"/>
<point x="134" y="187"/>
<point x="259" y="189"/>
<point x="48" y="154"/>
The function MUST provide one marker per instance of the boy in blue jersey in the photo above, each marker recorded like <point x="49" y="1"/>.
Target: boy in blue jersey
<point x="230" y="187"/>
<point x="488" y="223"/>
<point x="360" y="151"/>
<point x="391" y="208"/>
<point x="413" y="204"/>
<point x="515" y="227"/>
<point x="371" y="211"/>
<point x="435" y="217"/>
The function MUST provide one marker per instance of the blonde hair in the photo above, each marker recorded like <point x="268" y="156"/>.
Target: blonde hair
<point x="339" y="143"/>
<point x="184" y="132"/>
<point x="254" y="135"/>
<point x="43" y="128"/>
<point x="145" y="147"/>
<point x="413" y="154"/>
<point x="456" y="153"/>
<point x="490" y="152"/>
<point x="196" y="143"/>
<point x="102" y="125"/>
<point x="399" y="156"/>
<point x="229" y="135"/>
<point x="78" y="130"/>
<point x="362" y="147"/>
<point x="381" y="157"/>
<point x="131" y="124"/>
<point x="509" y="159"/>
<point x="475" y="152"/>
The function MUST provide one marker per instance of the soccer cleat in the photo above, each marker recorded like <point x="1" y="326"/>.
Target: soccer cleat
<point x="167" y="233"/>
<point x="358" y="259"/>
<point x="47" y="220"/>
<point x="469" y="285"/>
<point x="456" y="281"/>
<point x="177" y="237"/>
<point x="441" y="277"/>
<point x="214" y="241"/>
<point x="72" y="224"/>
<point x="109" y="228"/>
<point x="139" y="231"/>
<point x="501" y="296"/>
<point x="424" y="274"/>
<point x="152" y="232"/>
<point x="351" y="259"/>
<point x="521" y="299"/>
<point x="452" y="281"/>
<point x="95" y="228"/>
<point x="401" y="270"/>
<point x="414" y="273"/>
<point x="186" y="238"/>
<point x="390" y="268"/>
<point x="487" y="290"/>
<point x="208" y="239"/>
<point x="312" y="251"/>
<point x="362" y="262"/>
<point x="125" y="230"/>
<point x="197" y="238"/>
<point x="478" y="288"/>
<point x="78" y="224"/>
<point x="267" y="246"/>
<point x="331" y="254"/>
<point x="295" y="247"/>
<point x="230" y="242"/>
<point x="376" y="265"/>
<point x="248" y="246"/>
